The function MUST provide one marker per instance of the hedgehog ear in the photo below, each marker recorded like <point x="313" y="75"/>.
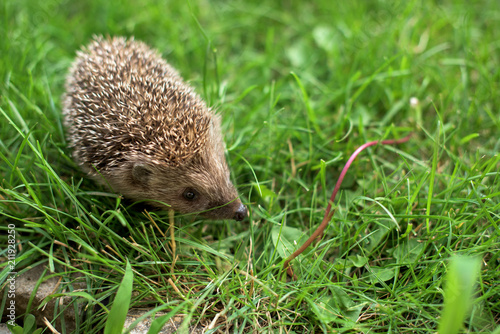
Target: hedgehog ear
<point x="142" y="173"/>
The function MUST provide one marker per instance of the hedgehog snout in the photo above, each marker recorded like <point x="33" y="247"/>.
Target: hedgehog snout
<point x="240" y="213"/>
<point x="232" y="210"/>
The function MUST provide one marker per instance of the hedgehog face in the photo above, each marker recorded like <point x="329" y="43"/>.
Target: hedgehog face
<point x="186" y="190"/>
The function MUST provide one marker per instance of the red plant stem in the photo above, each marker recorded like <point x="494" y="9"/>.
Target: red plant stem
<point x="328" y="215"/>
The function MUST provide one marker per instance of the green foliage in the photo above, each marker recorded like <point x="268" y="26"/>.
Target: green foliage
<point x="118" y="313"/>
<point x="300" y="85"/>
<point x="29" y="326"/>
<point x="460" y="282"/>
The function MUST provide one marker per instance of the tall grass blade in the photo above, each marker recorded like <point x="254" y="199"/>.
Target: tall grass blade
<point x="119" y="310"/>
<point x="458" y="293"/>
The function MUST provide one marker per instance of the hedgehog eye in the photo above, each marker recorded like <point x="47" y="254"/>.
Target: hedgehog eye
<point x="190" y="194"/>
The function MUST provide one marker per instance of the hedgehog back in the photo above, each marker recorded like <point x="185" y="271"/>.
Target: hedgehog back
<point x="123" y="101"/>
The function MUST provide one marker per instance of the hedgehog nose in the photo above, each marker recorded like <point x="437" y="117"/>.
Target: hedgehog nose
<point x="240" y="213"/>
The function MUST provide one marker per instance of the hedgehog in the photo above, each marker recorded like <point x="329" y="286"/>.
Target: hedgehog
<point x="136" y="126"/>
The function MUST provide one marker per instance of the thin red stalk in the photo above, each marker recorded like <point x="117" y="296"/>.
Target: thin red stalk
<point x="328" y="215"/>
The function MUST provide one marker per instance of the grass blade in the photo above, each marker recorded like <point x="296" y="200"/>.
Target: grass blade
<point x="458" y="293"/>
<point x="118" y="313"/>
<point x="159" y="322"/>
<point x="435" y="159"/>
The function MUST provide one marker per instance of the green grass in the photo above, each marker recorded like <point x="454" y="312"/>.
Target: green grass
<point x="300" y="85"/>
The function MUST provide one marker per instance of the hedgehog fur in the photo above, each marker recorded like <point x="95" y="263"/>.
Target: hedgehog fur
<point x="135" y="125"/>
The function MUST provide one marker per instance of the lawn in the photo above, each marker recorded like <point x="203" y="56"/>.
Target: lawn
<point x="300" y="86"/>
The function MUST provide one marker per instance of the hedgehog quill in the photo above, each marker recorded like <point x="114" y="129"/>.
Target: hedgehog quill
<point x="135" y="125"/>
